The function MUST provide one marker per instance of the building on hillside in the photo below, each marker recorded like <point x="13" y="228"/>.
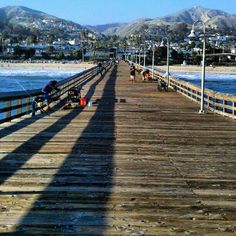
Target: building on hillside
<point x="103" y="54"/>
<point x="75" y="41"/>
<point x="233" y="49"/>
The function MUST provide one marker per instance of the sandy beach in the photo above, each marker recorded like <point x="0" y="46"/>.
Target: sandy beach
<point x="209" y="69"/>
<point x="64" y="66"/>
<point x="41" y="65"/>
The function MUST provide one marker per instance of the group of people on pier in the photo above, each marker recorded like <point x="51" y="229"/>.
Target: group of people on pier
<point x="52" y="85"/>
<point x="145" y="74"/>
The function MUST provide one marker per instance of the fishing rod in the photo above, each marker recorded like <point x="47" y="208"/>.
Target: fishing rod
<point x="31" y="96"/>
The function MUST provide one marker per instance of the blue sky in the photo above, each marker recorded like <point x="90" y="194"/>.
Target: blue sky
<point x="96" y="12"/>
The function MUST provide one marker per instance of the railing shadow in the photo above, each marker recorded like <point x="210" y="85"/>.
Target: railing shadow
<point x="83" y="182"/>
<point x="33" y="145"/>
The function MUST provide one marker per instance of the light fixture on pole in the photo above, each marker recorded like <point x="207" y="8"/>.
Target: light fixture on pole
<point x="193" y="35"/>
<point x="167" y="58"/>
<point x="82" y="33"/>
<point x="3" y="49"/>
<point x="144" y="57"/>
<point x="153" y="59"/>
<point x="139" y="57"/>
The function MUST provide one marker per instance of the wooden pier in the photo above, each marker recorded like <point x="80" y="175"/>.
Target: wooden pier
<point x="137" y="162"/>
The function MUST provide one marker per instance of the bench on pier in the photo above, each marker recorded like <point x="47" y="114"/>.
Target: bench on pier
<point x="162" y="85"/>
<point x="74" y="94"/>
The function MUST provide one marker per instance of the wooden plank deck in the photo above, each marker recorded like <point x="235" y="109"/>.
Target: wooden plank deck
<point x="139" y="162"/>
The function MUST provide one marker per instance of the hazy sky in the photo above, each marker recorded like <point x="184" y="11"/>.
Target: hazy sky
<point x="96" y="12"/>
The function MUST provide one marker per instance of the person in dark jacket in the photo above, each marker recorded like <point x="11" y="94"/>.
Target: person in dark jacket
<point x="100" y="69"/>
<point x="132" y="72"/>
<point x="48" y="88"/>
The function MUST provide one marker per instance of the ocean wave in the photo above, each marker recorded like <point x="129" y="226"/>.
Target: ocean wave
<point x="38" y="72"/>
<point x="208" y="77"/>
<point x="224" y="83"/>
<point x="20" y="79"/>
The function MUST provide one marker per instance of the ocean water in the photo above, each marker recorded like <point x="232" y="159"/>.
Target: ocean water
<point x="224" y="83"/>
<point x="26" y="79"/>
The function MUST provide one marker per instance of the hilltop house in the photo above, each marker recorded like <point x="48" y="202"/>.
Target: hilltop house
<point x="75" y="41"/>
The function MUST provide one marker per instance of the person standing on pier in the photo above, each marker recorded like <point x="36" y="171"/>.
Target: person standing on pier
<point x="100" y="68"/>
<point x="132" y="72"/>
<point x="48" y="88"/>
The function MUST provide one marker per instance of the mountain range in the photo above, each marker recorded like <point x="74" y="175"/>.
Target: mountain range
<point x="19" y="17"/>
<point x="213" y="18"/>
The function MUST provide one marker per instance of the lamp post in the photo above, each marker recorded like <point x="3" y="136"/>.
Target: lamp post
<point x="144" y="57"/>
<point x="82" y="35"/>
<point x="193" y="35"/>
<point x="153" y="59"/>
<point x="167" y="59"/>
<point x="139" y="57"/>
<point x="3" y="49"/>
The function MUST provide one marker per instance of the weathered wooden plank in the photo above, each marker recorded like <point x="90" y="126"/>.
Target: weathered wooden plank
<point x="139" y="162"/>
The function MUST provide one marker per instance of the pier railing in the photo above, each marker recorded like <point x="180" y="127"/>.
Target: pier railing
<point x="17" y="104"/>
<point x="220" y="103"/>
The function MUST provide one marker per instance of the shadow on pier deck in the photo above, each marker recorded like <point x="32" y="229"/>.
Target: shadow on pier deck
<point x="139" y="162"/>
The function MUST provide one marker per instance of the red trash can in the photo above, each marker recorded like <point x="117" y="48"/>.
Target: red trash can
<point x="83" y="102"/>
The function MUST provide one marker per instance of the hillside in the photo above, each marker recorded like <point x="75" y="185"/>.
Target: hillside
<point x="107" y="28"/>
<point x="213" y="18"/>
<point x="188" y="16"/>
<point x="18" y="18"/>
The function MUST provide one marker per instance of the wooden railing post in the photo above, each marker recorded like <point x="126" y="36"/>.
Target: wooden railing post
<point x="19" y="103"/>
<point x="233" y="109"/>
<point x="28" y="106"/>
<point x="8" y="113"/>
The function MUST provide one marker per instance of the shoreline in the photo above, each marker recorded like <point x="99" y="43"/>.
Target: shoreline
<point x="67" y="66"/>
<point x="198" y="69"/>
<point x="46" y="65"/>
